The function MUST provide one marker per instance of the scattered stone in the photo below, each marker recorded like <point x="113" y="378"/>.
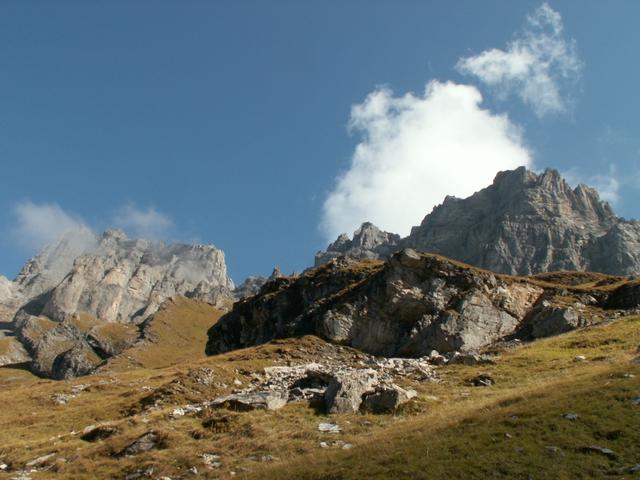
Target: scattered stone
<point x="139" y="473"/>
<point x="436" y="359"/>
<point x="251" y="401"/>
<point x="81" y="387"/>
<point x="22" y="476"/>
<point x="62" y="398"/>
<point x="177" y="412"/>
<point x="263" y="458"/>
<point x="607" y="452"/>
<point x="580" y="358"/>
<point x="470" y="359"/>
<point x="237" y="383"/>
<point x="144" y="443"/>
<point x="553" y="450"/>
<point x="636" y="400"/>
<point x="3" y="466"/>
<point x="347" y="446"/>
<point x="211" y="461"/>
<point x="329" y="428"/>
<point x="40" y="460"/>
<point x="386" y="399"/>
<point x="482" y="380"/>
<point x="193" y="470"/>
<point x="634" y="469"/>
<point x="570" y="416"/>
<point x="94" y="433"/>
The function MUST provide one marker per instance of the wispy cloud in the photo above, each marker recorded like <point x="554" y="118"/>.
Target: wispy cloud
<point x="38" y="224"/>
<point x="147" y="223"/>
<point x="416" y="149"/>
<point x="539" y="65"/>
<point x="607" y="183"/>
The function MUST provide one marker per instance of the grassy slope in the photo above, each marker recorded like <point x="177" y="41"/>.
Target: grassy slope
<point x="451" y="431"/>
<point x="504" y="431"/>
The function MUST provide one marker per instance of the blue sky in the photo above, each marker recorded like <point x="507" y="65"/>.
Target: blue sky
<point x="228" y="122"/>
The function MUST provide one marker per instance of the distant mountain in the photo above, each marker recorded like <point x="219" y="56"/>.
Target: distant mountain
<point x="524" y="223"/>
<point x="86" y="297"/>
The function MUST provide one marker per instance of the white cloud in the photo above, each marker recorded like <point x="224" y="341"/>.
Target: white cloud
<point x="146" y="223"/>
<point x="415" y="150"/>
<point x="40" y="224"/>
<point x="538" y="65"/>
<point x="608" y="186"/>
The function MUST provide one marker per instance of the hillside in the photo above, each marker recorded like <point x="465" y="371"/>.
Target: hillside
<point x="517" y="422"/>
<point x="86" y="298"/>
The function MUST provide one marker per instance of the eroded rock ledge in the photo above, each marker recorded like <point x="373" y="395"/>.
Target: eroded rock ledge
<point x="412" y="304"/>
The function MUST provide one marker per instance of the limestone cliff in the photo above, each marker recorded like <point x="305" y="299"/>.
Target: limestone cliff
<point x="523" y="223"/>
<point x="64" y="300"/>
<point x="410" y="305"/>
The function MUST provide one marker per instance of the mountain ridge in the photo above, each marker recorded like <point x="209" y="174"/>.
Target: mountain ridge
<point x="523" y="223"/>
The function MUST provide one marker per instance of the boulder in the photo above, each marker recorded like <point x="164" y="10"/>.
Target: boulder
<point x="345" y="390"/>
<point x="95" y="433"/>
<point x="144" y="443"/>
<point x="385" y="399"/>
<point x="75" y="362"/>
<point x="549" y="319"/>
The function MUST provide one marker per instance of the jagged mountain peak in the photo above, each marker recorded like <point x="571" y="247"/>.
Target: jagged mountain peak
<point x="64" y="297"/>
<point x="368" y="242"/>
<point x="524" y="222"/>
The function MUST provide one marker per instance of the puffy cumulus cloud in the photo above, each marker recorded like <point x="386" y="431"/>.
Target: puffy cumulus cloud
<point x="538" y="66"/>
<point x="39" y="224"/>
<point x="415" y="150"/>
<point x="146" y="223"/>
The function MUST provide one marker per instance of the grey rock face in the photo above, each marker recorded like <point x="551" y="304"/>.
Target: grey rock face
<point x="409" y="306"/>
<point x="368" y="242"/>
<point x="129" y="280"/>
<point x="548" y="320"/>
<point x="144" y="443"/>
<point x="522" y="224"/>
<point x="79" y="360"/>
<point x="419" y="304"/>
<point x="82" y="299"/>
<point x="386" y="398"/>
<point x="12" y="351"/>
<point x="249" y="287"/>
<point x="345" y="390"/>
<point x="49" y="267"/>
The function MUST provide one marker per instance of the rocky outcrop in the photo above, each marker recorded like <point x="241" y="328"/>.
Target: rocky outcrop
<point x="129" y="279"/>
<point x="86" y="298"/>
<point x="522" y="224"/>
<point x="368" y="242"/>
<point x="413" y="304"/>
<point x="249" y="287"/>
<point x="410" y="305"/>
<point x="47" y="269"/>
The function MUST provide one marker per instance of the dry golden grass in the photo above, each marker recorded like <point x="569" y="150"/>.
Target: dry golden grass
<point x="451" y="431"/>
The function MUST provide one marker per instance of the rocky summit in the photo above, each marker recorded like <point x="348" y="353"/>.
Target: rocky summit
<point x="86" y="297"/>
<point x="523" y="223"/>
<point x="415" y="303"/>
